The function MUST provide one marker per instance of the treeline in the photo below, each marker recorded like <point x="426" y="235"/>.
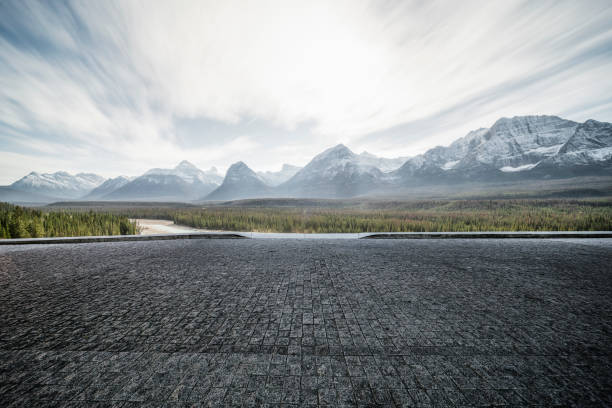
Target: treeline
<point x="417" y="216"/>
<point x="22" y="222"/>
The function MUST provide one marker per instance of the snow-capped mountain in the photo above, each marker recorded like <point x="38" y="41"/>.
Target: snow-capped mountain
<point x="337" y="172"/>
<point x="240" y="182"/>
<point x="274" y="178"/>
<point x="107" y="187"/>
<point x="189" y="173"/>
<point x="519" y="142"/>
<point x="590" y="145"/>
<point x="60" y="184"/>
<point x="382" y="163"/>
<point x="447" y="158"/>
<point x="519" y="147"/>
<point x="513" y="149"/>
<point x="185" y="182"/>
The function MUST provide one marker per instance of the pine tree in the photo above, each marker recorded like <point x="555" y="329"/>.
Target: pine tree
<point x="17" y="228"/>
<point x="36" y="229"/>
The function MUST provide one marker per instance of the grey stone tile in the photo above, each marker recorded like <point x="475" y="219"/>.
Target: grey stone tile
<point x="342" y="323"/>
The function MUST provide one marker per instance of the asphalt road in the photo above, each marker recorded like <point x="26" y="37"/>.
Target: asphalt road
<point x="307" y="323"/>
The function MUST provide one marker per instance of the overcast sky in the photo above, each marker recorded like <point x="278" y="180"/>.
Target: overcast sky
<point x="120" y="87"/>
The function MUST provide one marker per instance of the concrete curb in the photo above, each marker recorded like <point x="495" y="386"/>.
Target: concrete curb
<point x="119" y="238"/>
<point x="489" y="235"/>
<point x="374" y="235"/>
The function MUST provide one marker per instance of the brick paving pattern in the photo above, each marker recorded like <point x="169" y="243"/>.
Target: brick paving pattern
<point x="300" y="323"/>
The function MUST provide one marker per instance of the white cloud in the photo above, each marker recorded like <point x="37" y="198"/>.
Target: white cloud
<point x="113" y="78"/>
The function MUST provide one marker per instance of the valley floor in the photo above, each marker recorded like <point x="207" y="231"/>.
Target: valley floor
<point x="151" y="227"/>
<point x="307" y="323"/>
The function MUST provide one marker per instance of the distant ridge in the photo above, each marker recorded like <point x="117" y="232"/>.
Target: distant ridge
<point x="274" y="178"/>
<point x="240" y="182"/>
<point x="185" y="182"/>
<point x="512" y="150"/>
<point x="58" y="184"/>
<point x="337" y="172"/>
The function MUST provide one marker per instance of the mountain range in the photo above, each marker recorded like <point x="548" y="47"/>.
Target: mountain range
<point x="529" y="146"/>
<point x="513" y="149"/>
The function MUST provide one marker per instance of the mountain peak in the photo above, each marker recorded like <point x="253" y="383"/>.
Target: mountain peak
<point x="339" y="147"/>
<point x="528" y="119"/>
<point x="240" y="182"/>
<point x="239" y="170"/>
<point x="593" y="122"/>
<point x="338" y="151"/>
<point x="185" y="171"/>
<point x="238" y="165"/>
<point x="59" y="184"/>
<point x="185" y="165"/>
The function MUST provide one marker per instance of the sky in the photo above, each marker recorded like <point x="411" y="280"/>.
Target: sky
<point x="118" y="87"/>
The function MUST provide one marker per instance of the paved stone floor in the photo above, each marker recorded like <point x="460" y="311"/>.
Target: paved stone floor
<point x="307" y="323"/>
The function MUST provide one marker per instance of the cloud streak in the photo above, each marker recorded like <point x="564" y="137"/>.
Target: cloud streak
<point x="109" y="86"/>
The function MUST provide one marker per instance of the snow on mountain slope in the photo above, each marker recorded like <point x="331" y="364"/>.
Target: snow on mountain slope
<point x="590" y="144"/>
<point x="382" y="163"/>
<point x="515" y="145"/>
<point x="185" y="182"/>
<point x="519" y="141"/>
<point x="334" y="161"/>
<point x="59" y="184"/>
<point x="517" y="148"/>
<point x="240" y="182"/>
<point x="449" y="164"/>
<point x="337" y="172"/>
<point x="107" y="187"/>
<point x="443" y="158"/>
<point x="189" y="173"/>
<point x="274" y="178"/>
<point x="524" y="167"/>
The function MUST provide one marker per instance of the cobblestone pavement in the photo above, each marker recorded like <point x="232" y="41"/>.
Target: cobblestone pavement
<point x="307" y="323"/>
